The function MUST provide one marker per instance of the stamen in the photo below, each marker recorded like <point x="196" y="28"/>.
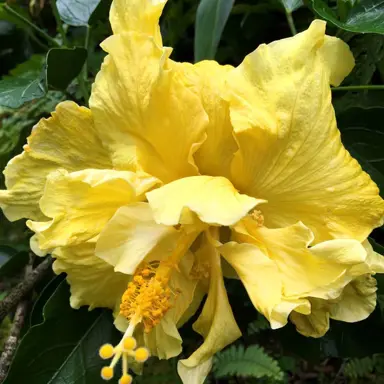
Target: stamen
<point x="258" y="217"/>
<point x="148" y="296"/>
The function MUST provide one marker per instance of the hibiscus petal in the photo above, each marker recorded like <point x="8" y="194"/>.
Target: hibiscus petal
<point x="357" y="301"/>
<point x="93" y="282"/>
<point x="132" y="236"/>
<point x="262" y="280"/>
<point x="213" y="199"/>
<point x="318" y="271"/>
<point x="138" y="16"/>
<point x="66" y="140"/>
<point x="315" y="324"/>
<point x="194" y="375"/>
<point x="216" y="315"/>
<point x="215" y="155"/>
<point x="81" y="203"/>
<point x="146" y="106"/>
<point x="290" y="148"/>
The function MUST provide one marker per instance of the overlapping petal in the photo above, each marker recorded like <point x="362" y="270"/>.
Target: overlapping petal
<point x="356" y="302"/>
<point x="216" y="314"/>
<point x="215" y="155"/>
<point x="149" y="111"/>
<point x="66" y="140"/>
<point x="93" y="282"/>
<point x="213" y="199"/>
<point x="81" y="203"/>
<point x="290" y="149"/>
<point x="132" y="236"/>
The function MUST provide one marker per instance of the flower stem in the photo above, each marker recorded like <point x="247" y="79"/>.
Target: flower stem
<point x="291" y="23"/>
<point x="83" y="76"/>
<point x="59" y="23"/>
<point x="33" y="26"/>
<point x="359" y="88"/>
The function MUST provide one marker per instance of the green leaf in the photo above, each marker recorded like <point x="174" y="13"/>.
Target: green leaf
<point x="6" y="254"/>
<point x="292" y="5"/>
<point x="367" y="50"/>
<point x="14" y="122"/>
<point x="37" y="316"/>
<point x="76" y="12"/>
<point x="24" y="83"/>
<point x="63" y="65"/>
<point x="63" y="349"/>
<point x="212" y="15"/>
<point x="8" y="16"/>
<point x="250" y="362"/>
<point x="366" y="16"/>
<point x="16" y="262"/>
<point x="364" y="138"/>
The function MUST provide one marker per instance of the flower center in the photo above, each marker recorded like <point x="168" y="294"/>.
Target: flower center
<point x="148" y="296"/>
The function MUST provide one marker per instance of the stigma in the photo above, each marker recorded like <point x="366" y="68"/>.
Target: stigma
<point x="127" y="351"/>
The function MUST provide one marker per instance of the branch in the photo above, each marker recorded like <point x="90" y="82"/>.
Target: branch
<point x="17" y="293"/>
<point x="13" y="339"/>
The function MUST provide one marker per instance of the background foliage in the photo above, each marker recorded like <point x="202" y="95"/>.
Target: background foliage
<point x="49" y="52"/>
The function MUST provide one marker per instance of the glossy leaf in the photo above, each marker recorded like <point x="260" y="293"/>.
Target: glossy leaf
<point x="63" y="65"/>
<point x="76" y="12"/>
<point x="15" y="263"/>
<point x="366" y="16"/>
<point x="212" y="15"/>
<point x="23" y="84"/>
<point x="364" y="138"/>
<point x="64" y="348"/>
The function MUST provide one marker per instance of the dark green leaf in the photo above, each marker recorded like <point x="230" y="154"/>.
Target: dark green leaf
<point x="37" y="315"/>
<point x="366" y="16"/>
<point x="364" y="138"/>
<point x="24" y="83"/>
<point x="15" y="263"/>
<point x="63" y="65"/>
<point x="63" y="349"/>
<point x="5" y="254"/>
<point x="212" y="15"/>
<point x="292" y="5"/>
<point x="76" y="12"/>
<point x="14" y="122"/>
<point x="8" y="16"/>
<point x="368" y="50"/>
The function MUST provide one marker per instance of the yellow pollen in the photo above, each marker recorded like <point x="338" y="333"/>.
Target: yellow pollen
<point x="148" y="296"/>
<point x="258" y="217"/>
<point x="141" y="355"/>
<point x="106" y="351"/>
<point x="200" y="271"/>
<point x="129" y="343"/>
<point x="107" y="373"/>
<point x="125" y="379"/>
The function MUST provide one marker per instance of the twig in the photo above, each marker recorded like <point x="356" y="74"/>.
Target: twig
<point x="17" y="293"/>
<point x="12" y="341"/>
<point x="49" y="39"/>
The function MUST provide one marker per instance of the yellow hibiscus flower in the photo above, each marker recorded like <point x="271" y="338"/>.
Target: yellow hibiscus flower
<point x="176" y="166"/>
